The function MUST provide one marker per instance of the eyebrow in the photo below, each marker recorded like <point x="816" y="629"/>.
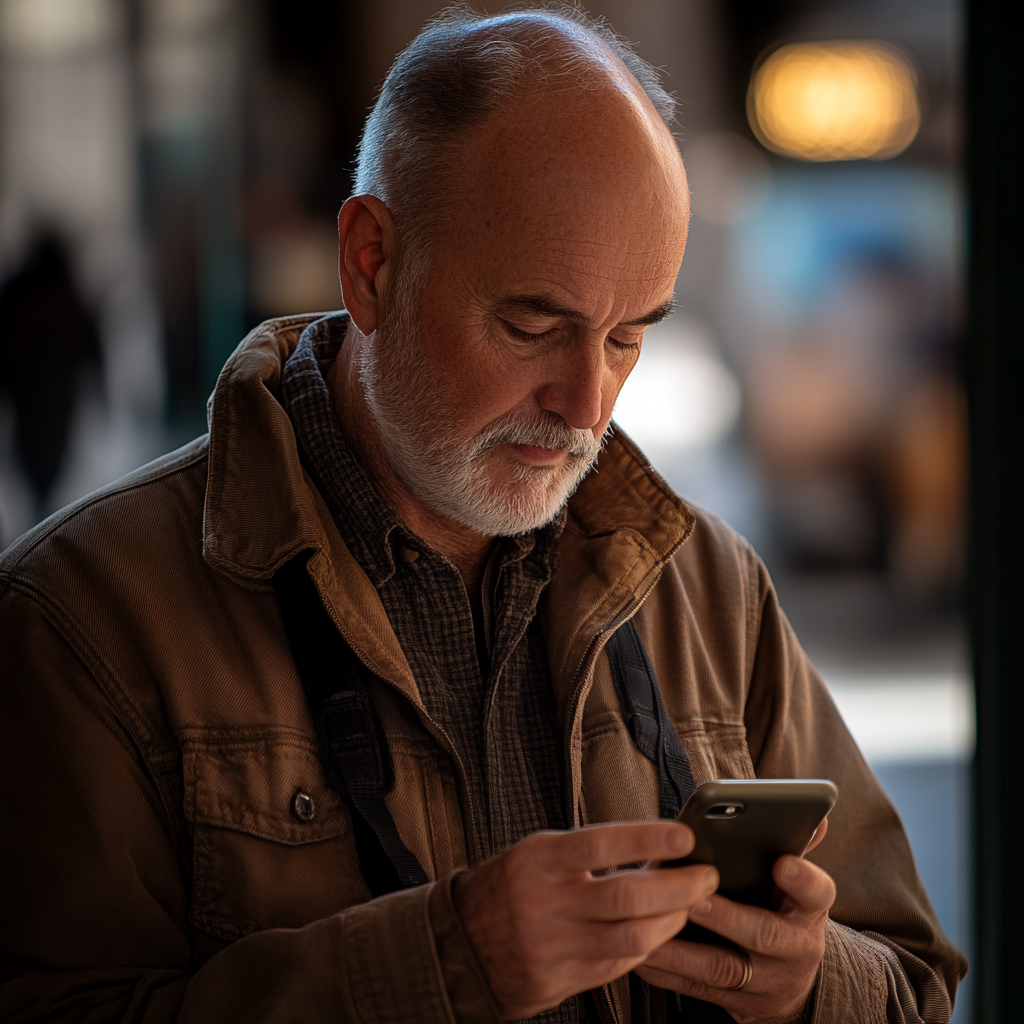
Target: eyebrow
<point x="540" y="305"/>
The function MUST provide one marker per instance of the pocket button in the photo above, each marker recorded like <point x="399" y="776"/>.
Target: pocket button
<point x="303" y="806"/>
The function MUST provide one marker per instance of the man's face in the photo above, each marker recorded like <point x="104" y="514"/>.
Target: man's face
<point x="493" y="386"/>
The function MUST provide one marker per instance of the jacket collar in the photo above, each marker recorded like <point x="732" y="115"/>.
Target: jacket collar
<point x="259" y="510"/>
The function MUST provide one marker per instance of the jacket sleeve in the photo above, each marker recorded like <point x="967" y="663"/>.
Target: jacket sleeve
<point x="95" y="885"/>
<point x="885" y="954"/>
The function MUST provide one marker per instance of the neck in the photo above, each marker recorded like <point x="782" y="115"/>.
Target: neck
<point x="466" y="549"/>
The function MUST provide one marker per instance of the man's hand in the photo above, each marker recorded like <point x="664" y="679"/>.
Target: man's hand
<point x="544" y="928"/>
<point x="784" y="948"/>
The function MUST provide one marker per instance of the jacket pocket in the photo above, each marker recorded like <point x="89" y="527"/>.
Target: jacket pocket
<point x="716" y="751"/>
<point x="272" y="843"/>
<point x="618" y="782"/>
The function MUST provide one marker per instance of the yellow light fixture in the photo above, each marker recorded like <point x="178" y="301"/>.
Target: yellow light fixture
<point x="841" y="100"/>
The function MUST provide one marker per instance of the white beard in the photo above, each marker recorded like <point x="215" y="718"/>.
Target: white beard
<point x="413" y="412"/>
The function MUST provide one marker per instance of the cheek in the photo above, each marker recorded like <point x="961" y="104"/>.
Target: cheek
<point x="484" y="390"/>
<point x="501" y="394"/>
<point x="497" y="381"/>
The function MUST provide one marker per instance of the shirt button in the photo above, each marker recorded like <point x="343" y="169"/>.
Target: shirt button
<point x="408" y="554"/>
<point x="303" y="806"/>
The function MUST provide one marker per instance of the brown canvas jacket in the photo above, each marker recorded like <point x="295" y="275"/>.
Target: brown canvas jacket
<point x="156" y="736"/>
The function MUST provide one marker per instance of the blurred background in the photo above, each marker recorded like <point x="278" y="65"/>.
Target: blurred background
<point x="170" y="174"/>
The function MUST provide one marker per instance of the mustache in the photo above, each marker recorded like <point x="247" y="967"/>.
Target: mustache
<point x="552" y="433"/>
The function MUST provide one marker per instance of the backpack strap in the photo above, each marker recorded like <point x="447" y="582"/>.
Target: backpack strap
<point x="644" y="709"/>
<point x="647" y="717"/>
<point x="353" y="748"/>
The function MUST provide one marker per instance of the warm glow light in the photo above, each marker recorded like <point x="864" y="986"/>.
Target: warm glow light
<point x="835" y="101"/>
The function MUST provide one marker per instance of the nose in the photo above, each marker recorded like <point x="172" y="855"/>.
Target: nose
<point x="575" y="391"/>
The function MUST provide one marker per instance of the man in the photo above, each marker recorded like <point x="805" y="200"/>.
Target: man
<point x="380" y="508"/>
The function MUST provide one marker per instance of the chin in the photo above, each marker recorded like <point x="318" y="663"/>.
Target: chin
<point x="517" y="506"/>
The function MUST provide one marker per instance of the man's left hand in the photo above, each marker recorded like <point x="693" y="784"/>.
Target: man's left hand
<point x="784" y="948"/>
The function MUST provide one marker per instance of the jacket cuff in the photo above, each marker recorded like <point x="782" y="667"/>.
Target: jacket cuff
<point x="469" y="994"/>
<point x="392" y="965"/>
<point x="853" y="973"/>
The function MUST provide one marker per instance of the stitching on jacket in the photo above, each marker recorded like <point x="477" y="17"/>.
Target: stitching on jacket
<point x="155" y="761"/>
<point x="80" y="644"/>
<point x="134" y="481"/>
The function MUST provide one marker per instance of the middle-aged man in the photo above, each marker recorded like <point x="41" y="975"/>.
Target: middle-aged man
<point x="303" y="721"/>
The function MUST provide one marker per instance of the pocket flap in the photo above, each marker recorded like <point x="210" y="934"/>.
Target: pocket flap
<point x="250" y="784"/>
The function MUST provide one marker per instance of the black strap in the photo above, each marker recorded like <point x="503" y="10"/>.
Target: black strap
<point x="644" y="710"/>
<point x="353" y="747"/>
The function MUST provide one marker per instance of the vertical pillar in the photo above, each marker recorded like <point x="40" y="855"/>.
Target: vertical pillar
<point x="995" y="99"/>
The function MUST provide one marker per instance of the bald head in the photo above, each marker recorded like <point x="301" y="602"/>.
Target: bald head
<point x="591" y="186"/>
<point x="464" y="72"/>
<point x="595" y="157"/>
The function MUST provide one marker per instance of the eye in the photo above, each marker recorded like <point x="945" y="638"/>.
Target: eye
<point x="520" y="334"/>
<point x="624" y="346"/>
<point x="628" y="344"/>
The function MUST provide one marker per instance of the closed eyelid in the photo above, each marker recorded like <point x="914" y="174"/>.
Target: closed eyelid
<point x="518" y="332"/>
<point x="536" y="336"/>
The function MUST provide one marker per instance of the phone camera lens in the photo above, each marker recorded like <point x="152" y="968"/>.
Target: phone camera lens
<point x="724" y="811"/>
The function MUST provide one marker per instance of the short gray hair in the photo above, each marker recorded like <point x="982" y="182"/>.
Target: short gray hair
<point x="460" y="68"/>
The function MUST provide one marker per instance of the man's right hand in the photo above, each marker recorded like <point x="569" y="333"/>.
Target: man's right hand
<point x="544" y="928"/>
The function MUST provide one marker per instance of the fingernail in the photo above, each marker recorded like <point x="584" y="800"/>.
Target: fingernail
<point x="711" y="880"/>
<point x="701" y="909"/>
<point x="790" y="869"/>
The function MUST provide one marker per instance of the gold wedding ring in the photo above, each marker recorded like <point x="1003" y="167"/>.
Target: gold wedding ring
<point x="748" y="973"/>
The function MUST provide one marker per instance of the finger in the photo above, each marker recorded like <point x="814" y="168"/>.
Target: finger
<point x="649" y="892"/>
<point x="808" y="888"/>
<point x="632" y="940"/>
<point x="818" y="835"/>
<point x="676" y="983"/>
<point x="753" y="928"/>
<point x="700" y="962"/>
<point x="597" y="847"/>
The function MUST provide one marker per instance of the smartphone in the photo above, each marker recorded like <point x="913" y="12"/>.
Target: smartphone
<point x="743" y="826"/>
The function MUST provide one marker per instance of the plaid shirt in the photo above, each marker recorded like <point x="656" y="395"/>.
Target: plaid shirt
<point x="491" y="693"/>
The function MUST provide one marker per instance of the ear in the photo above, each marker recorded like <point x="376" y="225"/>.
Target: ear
<point x="366" y="249"/>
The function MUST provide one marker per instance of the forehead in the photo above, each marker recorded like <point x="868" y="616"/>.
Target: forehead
<point x="572" y="190"/>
